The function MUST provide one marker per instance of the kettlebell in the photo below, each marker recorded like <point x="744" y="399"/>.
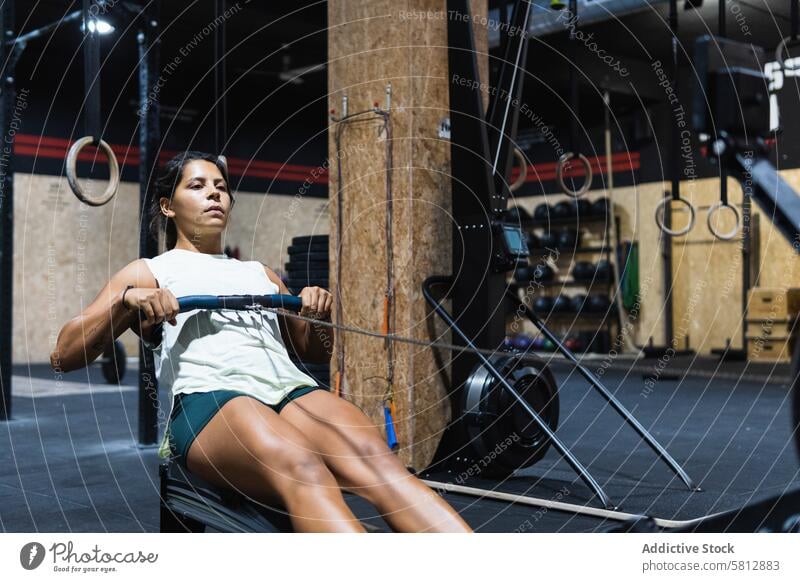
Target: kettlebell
<point x="548" y="346"/>
<point x="517" y="214"/>
<point x="522" y="274"/>
<point x="533" y="242"/>
<point x="568" y="238"/>
<point x="543" y="304"/>
<point x="583" y="271"/>
<point x="541" y="273"/>
<point x="584" y="208"/>
<point x="522" y="341"/>
<point x="538" y="344"/>
<point x="541" y="212"/>
<point x="600" y="207"/>
<point x="547" y="240"/>
<point x="603" y="270"/>
<point x="577" y="302"/>
<point x="597" y="303"/>
<point x="571" y="343"/>
<point x="561" y="304"/>
<point x="564" y="210"/>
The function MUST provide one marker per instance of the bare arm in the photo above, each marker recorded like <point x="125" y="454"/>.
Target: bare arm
<point x="84" y="337"/>
<point x="310" y="342"/>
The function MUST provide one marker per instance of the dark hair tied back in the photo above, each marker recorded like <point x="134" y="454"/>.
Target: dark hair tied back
<point x="165" y="185"/>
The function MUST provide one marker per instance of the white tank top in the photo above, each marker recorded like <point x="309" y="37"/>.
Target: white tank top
<point x="220" y="349"/>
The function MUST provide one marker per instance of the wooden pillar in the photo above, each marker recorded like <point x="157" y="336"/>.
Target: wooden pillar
<point x="371" y="44"/>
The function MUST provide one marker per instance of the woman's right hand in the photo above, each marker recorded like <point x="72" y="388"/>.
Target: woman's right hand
<point x="157" y="304"/>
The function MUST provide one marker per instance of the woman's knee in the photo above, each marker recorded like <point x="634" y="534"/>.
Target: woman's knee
<point x="377" y="455"/>
<point x="303" y="469"/>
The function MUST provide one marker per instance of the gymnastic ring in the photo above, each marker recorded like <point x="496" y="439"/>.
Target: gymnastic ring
<point x="72" y="174"/>
<point x="779" y="54"/>
<point x="560" y="174"/>
<point x="661" y="208"/>
<point x="523" y="170"/>
<point x="725" y="235"/>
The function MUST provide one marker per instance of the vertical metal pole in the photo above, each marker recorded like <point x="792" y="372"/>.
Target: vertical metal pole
<point x="7" y="98"/>
<point x="91" y="74"/>
<point x="574" y="135"/>
<point x="220" y="80"/>
<point x="747" y="247"/>
<point x="149" y="141"/>
<point x="675" y="189"/>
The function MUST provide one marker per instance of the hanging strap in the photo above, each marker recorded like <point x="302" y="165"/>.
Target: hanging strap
<point x="91" y="74"/>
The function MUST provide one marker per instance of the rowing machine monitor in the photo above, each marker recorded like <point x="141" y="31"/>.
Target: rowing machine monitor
<point x="511" y="247"/>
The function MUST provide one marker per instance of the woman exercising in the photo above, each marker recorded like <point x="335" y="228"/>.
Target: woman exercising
<point x="243" y="415"/>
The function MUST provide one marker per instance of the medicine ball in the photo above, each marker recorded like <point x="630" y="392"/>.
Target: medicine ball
<point x="583" y="271"/>
<point x="584" y="207"/>
<point x="568" y="238"/>
<point x="541" y="212"/>
<point x="603" y="270"/>
<point x="578" y="302"/>
<point x="541" y="273"/>
<point x="517" y="214"/>
<point x="543" y="304"/>
<point x="561" y="304"/>
<point x="601" y="206"/>
<point x="566" y="209"/>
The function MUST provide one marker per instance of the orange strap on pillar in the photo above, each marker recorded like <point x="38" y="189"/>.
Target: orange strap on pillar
<point x="385" y="327"/>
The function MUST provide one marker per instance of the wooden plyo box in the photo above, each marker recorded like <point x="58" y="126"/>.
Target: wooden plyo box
<point x="775" y="304"/>
<point x="770" y="349"/>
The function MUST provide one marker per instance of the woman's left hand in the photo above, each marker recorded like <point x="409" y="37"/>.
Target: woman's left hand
<point x="317" y="303"/>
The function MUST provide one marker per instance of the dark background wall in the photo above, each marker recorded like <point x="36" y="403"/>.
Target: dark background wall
<point x="277" y="117"/>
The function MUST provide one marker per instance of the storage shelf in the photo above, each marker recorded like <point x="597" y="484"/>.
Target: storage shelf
<point x="567" y="283"/>
<point x="579" y="250"/>
<point x="569" y="221"/>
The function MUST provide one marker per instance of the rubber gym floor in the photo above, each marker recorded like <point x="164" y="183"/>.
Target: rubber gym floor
<point x="69" y="460"/>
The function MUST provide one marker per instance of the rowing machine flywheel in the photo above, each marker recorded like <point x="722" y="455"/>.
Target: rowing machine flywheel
<point x="503" y="436"/>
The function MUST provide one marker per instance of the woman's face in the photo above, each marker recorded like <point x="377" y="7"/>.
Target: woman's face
<point x="201" y="202"/>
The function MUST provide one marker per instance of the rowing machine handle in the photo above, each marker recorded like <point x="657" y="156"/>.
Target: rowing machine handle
<point x="189" y="302"/>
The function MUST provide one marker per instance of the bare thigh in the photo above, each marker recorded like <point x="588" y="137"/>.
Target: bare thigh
<point x="248" y="447"/>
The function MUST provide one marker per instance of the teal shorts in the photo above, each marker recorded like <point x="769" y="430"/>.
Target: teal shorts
<point x="192" y="412"/>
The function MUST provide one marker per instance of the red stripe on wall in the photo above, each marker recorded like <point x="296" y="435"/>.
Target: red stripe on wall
<point x="56" y="148"/>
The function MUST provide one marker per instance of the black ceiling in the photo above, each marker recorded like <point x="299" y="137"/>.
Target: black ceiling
<point x="270" y="118"/>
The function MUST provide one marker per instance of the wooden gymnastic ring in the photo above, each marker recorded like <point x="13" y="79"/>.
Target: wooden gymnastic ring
<point x="562" y="161"/>
<point x="724" y="235"/>
<point x="523" y="170"/>
<point x="661" y="208"/>
<point x="72" y="174"/>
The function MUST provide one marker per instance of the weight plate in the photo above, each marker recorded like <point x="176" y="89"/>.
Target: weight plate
<point x="311" y="248"/>
<point x="304" y="256"/>
<point x="301" y="266"/>
<point x="306" y="274"/>
<point x="310" y="239"/>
